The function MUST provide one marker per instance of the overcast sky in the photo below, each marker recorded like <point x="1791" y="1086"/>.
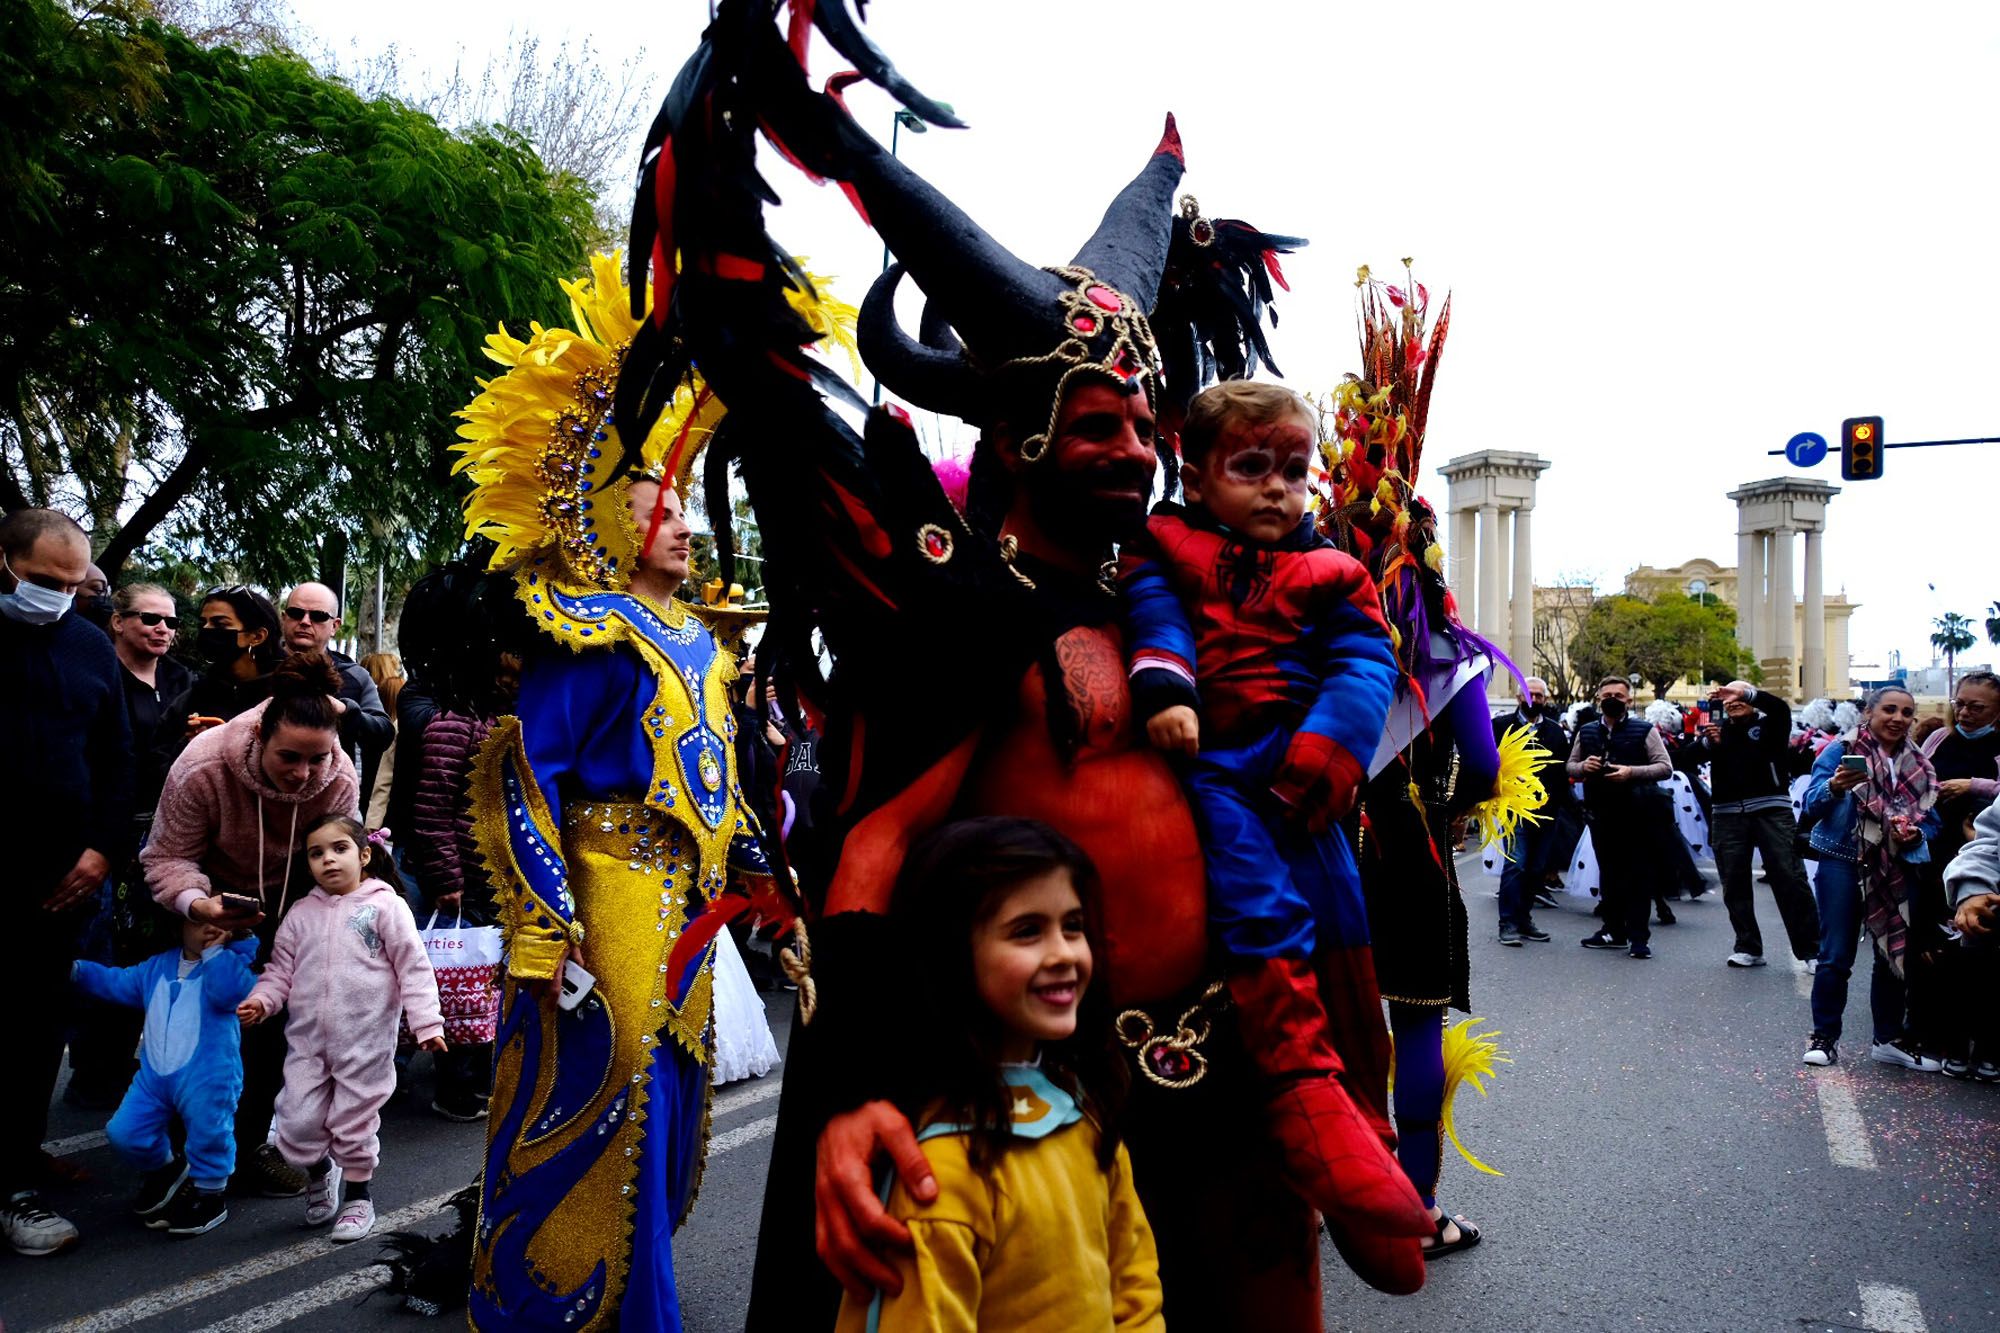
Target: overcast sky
<point x="1676" y="235"/>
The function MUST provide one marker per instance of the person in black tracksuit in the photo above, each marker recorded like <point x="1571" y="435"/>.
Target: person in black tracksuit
<point x="1529" y="851"/>
<point x="1748" y="763"/>
<point x="1621" y="762"/>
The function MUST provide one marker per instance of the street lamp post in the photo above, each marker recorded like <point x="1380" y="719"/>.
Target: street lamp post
<point x="1698" y="589"/>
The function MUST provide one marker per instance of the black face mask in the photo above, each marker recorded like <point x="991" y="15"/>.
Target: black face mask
<point x="1612" y="709"/>
<point x="97" y="610"/>
<point x="217" y="644"/>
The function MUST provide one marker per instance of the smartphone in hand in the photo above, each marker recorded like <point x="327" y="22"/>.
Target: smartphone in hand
<point x="576" y="983"/>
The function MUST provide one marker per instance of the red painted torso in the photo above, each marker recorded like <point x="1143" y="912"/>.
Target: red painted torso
<point x="1120" y="802"/>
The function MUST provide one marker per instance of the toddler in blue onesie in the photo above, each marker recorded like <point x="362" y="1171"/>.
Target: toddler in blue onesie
<point x="190" y="1066"/>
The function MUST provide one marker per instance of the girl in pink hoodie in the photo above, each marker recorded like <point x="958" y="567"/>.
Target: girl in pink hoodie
<point x="347" y="961"/>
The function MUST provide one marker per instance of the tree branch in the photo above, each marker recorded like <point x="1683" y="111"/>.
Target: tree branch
<point x="155" y="509"/>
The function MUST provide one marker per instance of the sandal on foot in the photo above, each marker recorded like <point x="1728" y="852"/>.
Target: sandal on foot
<point x="1468" y="1236"/>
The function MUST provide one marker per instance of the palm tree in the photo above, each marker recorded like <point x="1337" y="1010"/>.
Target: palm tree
<point x="1993" y="624"/>
<point x="1952" y="636"/>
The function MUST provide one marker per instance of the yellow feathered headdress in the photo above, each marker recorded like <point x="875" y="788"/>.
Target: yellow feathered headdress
<point x="540" y="444"/>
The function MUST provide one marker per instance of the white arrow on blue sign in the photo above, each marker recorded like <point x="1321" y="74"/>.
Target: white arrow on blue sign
<point x="1805" y="449"/>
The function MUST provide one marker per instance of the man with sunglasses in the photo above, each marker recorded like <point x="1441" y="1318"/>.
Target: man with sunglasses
<point x="65" y="820"/>
<point x="312" y="619"/>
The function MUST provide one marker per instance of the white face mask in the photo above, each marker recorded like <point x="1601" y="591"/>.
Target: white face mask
<point x="31" y="603"/>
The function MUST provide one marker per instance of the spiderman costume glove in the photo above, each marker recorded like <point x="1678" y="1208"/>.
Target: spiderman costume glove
<point x="1318" y="780"/>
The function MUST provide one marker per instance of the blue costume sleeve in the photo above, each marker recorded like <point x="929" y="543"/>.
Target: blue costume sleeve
<point x="227" y="980"/>
<point x="1356" y="664"/>
<point x="1159" y="642"/>
<point x="1470" y="724"/>
<point x="113" y="985"/>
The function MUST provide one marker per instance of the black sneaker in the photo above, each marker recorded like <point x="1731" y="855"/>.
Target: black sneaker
<point x="1821" y="1051"/>
<point x="1543" y="898"/>
<point x="464" y="1109"/>
<point x="1604" y="939"/>
<point x="1534" y="934"/>
<point x="157" y="1189"/>
<point x="1641" y="951"/>
<point x="1509" y="935"/>
<point x="266" y="1174"/>
<point x="1666" y="915"/>
<point x="196" y="1212"/>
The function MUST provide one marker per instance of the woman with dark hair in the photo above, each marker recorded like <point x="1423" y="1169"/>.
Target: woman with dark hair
<point x="1873" y="796"/>
<point x="232" y="818"/>
<point x="238" y="637"/>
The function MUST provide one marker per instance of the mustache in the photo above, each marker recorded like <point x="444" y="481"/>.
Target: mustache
<point x="1122" y="475"/>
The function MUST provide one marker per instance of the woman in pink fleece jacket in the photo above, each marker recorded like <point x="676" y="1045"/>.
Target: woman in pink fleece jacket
<point x="231" y="820"/>
<point x="348" y="960"/>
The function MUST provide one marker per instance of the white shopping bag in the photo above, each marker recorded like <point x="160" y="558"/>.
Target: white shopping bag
<point x="467" y="962"/>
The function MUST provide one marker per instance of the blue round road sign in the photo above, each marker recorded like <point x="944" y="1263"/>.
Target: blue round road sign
<point x="1805" y="449"/>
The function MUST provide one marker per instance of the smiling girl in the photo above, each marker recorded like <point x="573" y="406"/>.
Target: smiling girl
<point x="1034" y="1223"/>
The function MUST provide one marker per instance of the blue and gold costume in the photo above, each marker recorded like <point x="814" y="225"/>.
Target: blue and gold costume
<point x="609" y="815"/>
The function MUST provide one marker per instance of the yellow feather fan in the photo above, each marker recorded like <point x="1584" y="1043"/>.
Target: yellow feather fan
<point x="1517" y="792"/>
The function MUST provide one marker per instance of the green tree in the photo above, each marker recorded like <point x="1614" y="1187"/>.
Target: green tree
<point x="1661" y="641"/>
<point x="1951" y="635"/>
<point x="241" y="295"/>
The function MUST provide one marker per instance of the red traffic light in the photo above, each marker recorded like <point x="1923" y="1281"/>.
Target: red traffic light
<point x="1861" y="448"/>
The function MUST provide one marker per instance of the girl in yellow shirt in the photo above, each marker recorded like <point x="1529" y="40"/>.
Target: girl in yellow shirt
<point x="1017" y="1090"/>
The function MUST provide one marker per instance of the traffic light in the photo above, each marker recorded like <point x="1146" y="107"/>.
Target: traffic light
<point x="1861" y="448"/>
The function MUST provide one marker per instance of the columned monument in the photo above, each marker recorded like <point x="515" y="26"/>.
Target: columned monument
<point x="1497" y="593"/>
<point x="1769" y="514"/>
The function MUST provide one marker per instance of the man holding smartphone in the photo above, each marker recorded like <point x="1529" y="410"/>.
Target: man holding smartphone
<point x="1621" y="762"/>
<point x="1745" y="742"/>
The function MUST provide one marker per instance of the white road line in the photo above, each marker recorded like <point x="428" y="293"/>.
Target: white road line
<point x="285" y="1309"/>
<point x="1802" y="982"/>
<point x="736" y="1138"/>
<point x="1888" y="1309"/>
<point x="222" y="1279"/>
<point x="75" y="1143"/>
<point x="1846" y="1132"/>
<point x="742" y="1095"/>
<point x="360" y="1281"/>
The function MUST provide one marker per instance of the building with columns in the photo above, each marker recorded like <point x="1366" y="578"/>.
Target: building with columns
<point x="1799" y="641"/>
<point x="1491" y="570"/>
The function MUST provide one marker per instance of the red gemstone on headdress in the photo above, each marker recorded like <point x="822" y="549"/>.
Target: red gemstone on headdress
<point x="934" y="542"/>
<point x="1102" y="297"/>
<point x="1085" y="324"/>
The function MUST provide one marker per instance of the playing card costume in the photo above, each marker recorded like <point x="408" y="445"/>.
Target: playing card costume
<point x="1020" y="704"/>
<point x="608" y="813"/>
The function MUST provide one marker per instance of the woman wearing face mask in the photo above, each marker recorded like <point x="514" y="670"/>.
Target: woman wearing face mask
<point x="1966" y="758"/>
<point x="1874" y="797"/>
<point x="238" y="637"/>
<point x="231" y="818"/>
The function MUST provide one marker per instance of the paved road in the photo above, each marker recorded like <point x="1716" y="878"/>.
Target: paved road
<point x="1669" y="1165"/>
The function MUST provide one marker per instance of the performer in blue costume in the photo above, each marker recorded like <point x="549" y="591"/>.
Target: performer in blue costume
<point x="609" y="814"/>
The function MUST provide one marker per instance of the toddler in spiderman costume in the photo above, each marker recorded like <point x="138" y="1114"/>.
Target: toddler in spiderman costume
<point x="1258" y="650"/>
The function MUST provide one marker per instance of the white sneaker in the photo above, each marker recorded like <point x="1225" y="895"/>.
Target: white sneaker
<point x="1892" y="1053"/>
<point x="1741" y="959"/>
<point x="1805" y="967"/>
<point x="357" y="1219"/>
<point x="322" y="1196"/>
<point x="32" y="1228"/>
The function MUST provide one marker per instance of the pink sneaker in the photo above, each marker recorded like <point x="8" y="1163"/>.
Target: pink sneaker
<point x="357" y="1219"/>
<point x="322" y="1197"/>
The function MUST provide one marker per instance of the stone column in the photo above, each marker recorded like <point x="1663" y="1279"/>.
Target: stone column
<point x="1749" y="592"/>
<point x="1814" y="653"/>
<point x="1488" y="613"/>
<point x="1504" y="572"/>
<point x="1521" y="646"/>
<point x="1464" y="554"/>
<point x="1783" y="646"/>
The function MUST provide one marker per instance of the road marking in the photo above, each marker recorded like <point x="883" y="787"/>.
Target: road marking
<point x="736" y="1138"/>
<point x="1888" y="1309"/>
<point x="75" y="1143"/>
<point x="1846" y="1132"/>
<point x="1802" y="982"/>
<point x="300" y="1303"/>
<point x="763" y="1090"/>
<point x="222" y="1279"/>
<point x="360" y="1281"/>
